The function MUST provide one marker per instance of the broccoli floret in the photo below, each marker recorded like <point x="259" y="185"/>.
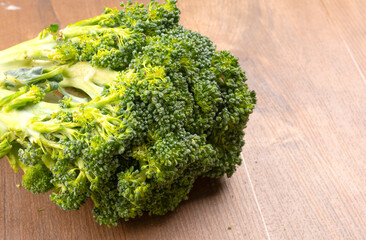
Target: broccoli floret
<point x="140" y="109"/>
<point x="37" y="178"/>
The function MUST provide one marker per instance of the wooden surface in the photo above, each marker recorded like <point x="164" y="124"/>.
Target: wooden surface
<point x="304" y="169"/>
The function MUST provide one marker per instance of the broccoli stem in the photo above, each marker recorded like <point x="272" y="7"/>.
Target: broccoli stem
<point x="24" y="54"/>
<point x="50" y="74"/>
<point x="82" y="76"/>
<point x="87" y="78"/>
<point x="74" y="98"/>
<point x="3" y="128"/>
<point x="14" y="161"/>
<point x="47" y="161"/>
<point x="18" y="119"/>
<point x="74" y="31"/>
<point x="94" y="20"/>
<point x="5" y="147"/>
<point x="8" y="96"/>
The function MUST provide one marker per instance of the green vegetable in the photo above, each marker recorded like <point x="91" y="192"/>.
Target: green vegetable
<point x="147" y="107"/>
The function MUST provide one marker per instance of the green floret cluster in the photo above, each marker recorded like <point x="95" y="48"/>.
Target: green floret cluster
<point x="127" y="108"/>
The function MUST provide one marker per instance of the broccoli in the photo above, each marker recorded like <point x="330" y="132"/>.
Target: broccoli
<point x="127" y="108"/>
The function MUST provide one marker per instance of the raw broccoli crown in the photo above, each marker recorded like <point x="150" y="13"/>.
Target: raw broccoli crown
<point x="156" y="106"/>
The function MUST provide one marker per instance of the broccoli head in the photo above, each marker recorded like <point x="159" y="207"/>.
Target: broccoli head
<point x="127" y="108"/>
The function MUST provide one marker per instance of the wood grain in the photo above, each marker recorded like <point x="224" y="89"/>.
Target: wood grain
<point x="306" y="139"/>
<point x="349" y="19"/>
<point x="307" y="134"/>
<point x="304" y="172"/>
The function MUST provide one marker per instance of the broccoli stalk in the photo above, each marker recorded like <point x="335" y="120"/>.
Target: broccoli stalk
<point x="50" y="48"/>
<point x="27" y="54"/>
<point x="81" y="76"/>
<point x="5" y="147"/>
<point x="87" y="78"/>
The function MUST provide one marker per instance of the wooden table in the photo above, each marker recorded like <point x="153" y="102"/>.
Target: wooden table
<point x="304" y="169"/>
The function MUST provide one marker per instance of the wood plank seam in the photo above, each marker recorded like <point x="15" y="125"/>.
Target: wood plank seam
<point x="332" y="22"/>
<point x="54" y="12"/>
<point x="46" y="6"/>
<point x="352" y="57"/>
<point x="255" y="197"/>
